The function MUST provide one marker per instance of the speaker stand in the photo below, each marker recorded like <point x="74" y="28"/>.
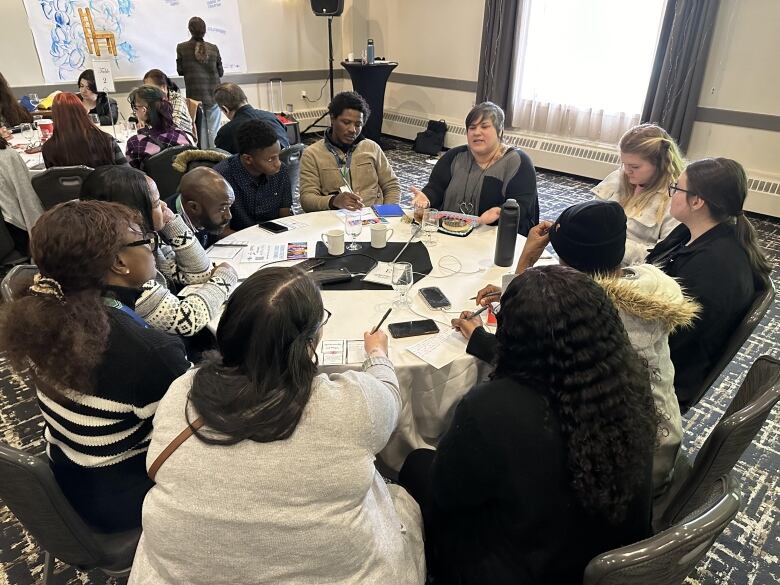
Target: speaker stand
<point x="316" y="123"/>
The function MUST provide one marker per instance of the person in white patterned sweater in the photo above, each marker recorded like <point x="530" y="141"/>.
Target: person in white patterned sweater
<point x="180" y="258"/>
<point x="98" y="370"/>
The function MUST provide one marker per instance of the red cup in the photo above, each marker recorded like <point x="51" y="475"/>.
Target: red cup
<point x="47" y="129"/>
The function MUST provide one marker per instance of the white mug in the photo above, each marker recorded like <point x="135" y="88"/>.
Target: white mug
<point x="334" y="240"/>
<point x="380" y="233"/>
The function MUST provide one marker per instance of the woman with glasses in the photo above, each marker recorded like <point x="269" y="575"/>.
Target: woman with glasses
<point x="96" y="102"/>
<point x="280" y="477"/>
<point x="179" y="257"/>
<point x="180" y="113"/>
<point x="548" y="463"/>
<point x="158" y="131"/>
<point x="716" y="258"/>
<point x="96" y="366"/>
<point x="650" y="161"/>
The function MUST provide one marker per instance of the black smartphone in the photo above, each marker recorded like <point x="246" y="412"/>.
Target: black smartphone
<point x="434" y="298"/>
<point x="412" y="328"/>
<point x="273" y="227"/>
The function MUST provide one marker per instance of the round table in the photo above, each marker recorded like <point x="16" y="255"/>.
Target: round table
<point x="429" y="395"/>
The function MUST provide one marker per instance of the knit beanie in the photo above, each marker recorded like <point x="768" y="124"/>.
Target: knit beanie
<point x="591" y="236"/>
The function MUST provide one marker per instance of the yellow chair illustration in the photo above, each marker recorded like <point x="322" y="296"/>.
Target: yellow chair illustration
<point x="93" y="37"/>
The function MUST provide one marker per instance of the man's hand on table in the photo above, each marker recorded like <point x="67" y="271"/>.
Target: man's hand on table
<point x="348" y="200"/>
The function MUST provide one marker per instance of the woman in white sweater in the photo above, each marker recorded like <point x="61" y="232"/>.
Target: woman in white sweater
<point x="279" y="484"/>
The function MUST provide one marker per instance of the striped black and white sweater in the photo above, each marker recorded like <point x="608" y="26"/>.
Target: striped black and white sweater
<point x="97" y="442"/>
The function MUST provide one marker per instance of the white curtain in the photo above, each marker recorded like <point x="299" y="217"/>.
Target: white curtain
<point x="582" y="68"/>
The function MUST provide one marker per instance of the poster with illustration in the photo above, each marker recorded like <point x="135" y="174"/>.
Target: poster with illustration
<point x="135" y="35"/>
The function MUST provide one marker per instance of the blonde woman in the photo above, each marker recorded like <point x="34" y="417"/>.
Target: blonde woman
<point x="651" y="162"/>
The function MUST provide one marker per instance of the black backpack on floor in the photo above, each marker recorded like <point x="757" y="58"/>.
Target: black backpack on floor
<point x="432" y="140"/>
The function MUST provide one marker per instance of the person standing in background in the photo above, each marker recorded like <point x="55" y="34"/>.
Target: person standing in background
<point x="200" y="64"/>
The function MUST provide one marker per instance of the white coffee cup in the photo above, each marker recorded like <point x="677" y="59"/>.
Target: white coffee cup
<point x="334" y="240"/>
<point x="380" y="233"/>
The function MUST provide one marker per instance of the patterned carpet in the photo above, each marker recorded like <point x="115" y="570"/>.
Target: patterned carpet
<point x="746" y="553"/>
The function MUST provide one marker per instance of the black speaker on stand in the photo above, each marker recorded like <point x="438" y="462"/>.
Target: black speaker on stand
<point x="328" y="8"/>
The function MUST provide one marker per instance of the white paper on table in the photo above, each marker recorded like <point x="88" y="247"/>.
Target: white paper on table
<point x="291" y="223"/>
<point x="441" y="349"/>
<point x="224" y="252"/>
<point x="382" y="273"/>
<point x="356" y="351"/>
<point x="331" y="352"/>
<point x="263" y="253"/>
<point x="365" y="213"/>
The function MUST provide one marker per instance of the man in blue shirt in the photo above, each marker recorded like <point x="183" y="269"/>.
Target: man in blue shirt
<point x="259" y="179"/>
<point x="233" y="103"/>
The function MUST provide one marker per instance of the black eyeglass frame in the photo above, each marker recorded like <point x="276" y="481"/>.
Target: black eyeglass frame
<point x="152" y="239"/>
<point x="673" y="188"/>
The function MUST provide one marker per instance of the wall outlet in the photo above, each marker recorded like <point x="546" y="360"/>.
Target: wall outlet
<point x="290" y="108"/>
<point x="303" y="94"/>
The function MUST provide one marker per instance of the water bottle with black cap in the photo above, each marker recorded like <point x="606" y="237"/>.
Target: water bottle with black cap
<point x="506" y="235"/>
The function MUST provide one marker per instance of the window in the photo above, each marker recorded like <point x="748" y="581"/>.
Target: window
<point x="583" y="67"/>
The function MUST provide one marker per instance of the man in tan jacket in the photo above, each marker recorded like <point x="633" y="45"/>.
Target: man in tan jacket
<point x="345" y="170"/>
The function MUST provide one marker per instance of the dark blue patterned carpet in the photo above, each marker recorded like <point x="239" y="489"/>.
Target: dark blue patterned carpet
<point x="746" y="554"/>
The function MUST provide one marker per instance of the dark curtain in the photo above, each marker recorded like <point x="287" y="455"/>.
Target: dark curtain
<point x="678" y="71"/>
<point x="497" y="53"/>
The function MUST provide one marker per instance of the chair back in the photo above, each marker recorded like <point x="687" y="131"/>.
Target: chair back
<point x="59" y="184"/>
<point x="16" y="283"/>
<point x="8" y="251"/>
<point x="670" y="556"/>
<point x="752" y="318"/>
<point x="159" y="167"/>
<point x="758" y="394"/>
<point x="31" y="492"/>
<point x="291" y="158"/>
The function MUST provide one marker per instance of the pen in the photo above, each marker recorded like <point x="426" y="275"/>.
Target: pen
<point x="493" y="294"/>
<point x="228" y="245"/>
<point x="480" y="310"/>
<point x="374" y="330"/>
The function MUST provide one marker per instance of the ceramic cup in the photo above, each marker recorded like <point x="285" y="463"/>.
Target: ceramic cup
<point x="380" y="233"/>
<point x="334" y="240"/>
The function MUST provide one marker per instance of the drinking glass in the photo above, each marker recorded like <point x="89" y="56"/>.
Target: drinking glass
<point x="95" y="119"/>
<point x="430" y="224"/>
<point x="353" y="225"/>
<point x="402" y="281"/>
<point x="34" y="101"/>
<point x="28" y="133"/>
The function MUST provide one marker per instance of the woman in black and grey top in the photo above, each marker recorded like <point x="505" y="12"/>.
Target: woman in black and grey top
<point x="478" y="177"/>
<point x="98" y="369"/>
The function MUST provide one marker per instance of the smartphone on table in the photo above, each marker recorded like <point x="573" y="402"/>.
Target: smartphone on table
<point x="272" y="227"/>
<point x="412" y="328"/>
<point x="434" y="298"/>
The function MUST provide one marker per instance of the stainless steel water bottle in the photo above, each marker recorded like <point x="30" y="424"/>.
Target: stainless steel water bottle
<point x="506" y="235"/>
<point x="370" y="52"/>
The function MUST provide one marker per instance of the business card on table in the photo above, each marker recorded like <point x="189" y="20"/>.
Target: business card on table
<point x="340" y="352"/>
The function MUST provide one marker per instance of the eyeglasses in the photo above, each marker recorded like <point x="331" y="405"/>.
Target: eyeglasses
<point x="152" y="241"/>
<point x="136" y="108"/>
<point x="673" y="188"/>
<point x="327" y="318"/>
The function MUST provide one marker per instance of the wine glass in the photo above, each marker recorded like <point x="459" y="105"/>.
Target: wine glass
<point x="28" y="133"/>
<point x="34" y="101"/>
<point x="430" y="224"/>
<point x="402" y="281"/>
<point x="353" y="225"/>
<point x="95" y="119"/>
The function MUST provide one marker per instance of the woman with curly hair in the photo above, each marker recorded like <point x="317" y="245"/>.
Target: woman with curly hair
<point x="98" y="369"/>
<point x="651" y="161"/>
<point x="549" y="463"/>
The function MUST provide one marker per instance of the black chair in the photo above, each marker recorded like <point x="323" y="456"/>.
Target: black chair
<point x="752" y="318"/>
<point x="757" y="395"/>
<point x="291" y="158"/>
<point x="17" y="281"/>
<point x="670" y="556"/>
<point x="59" y="184"/>
<point x="9" y="254"/>
<point x="31" y="492"/>
<point x="201" y="126"/>
<point x="159" y="167"/>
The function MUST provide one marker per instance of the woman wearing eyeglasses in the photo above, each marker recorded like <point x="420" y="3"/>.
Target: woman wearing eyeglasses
<point x="650" y="161"/>
<point x="280" y="478"/>
<point x="158" y="132"/>
<point x="716" y="258"/>
<point x="97" y="368"/>
<point x="178" y="255"/>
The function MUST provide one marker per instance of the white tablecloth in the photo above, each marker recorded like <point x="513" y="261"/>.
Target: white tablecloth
<point x="429" y="395"/>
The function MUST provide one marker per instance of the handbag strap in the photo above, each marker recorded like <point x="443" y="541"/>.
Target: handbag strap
<point x="173" y="445"/>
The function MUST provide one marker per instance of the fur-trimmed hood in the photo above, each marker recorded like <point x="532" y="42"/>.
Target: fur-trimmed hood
<point x="651" y="295"/>
<point x="182" y="160"/>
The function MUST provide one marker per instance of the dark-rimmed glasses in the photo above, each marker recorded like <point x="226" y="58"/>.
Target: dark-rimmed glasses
<point x="152" y="240"/>
<point x="673" y="188"/>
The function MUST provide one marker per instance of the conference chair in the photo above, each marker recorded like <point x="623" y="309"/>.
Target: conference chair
<point x="199" y="128"/>
<point x="16" y="283"/>
<point x="9" y="255"/>
<point x="59" y="184"/>
<point x="670" y="556"/>
<point x="744" y="417"/>
<point x="750" y="321"/>
<point x="31" y="492"/>
<point x="160" y="168"/>
<point x="291" y="158"/>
